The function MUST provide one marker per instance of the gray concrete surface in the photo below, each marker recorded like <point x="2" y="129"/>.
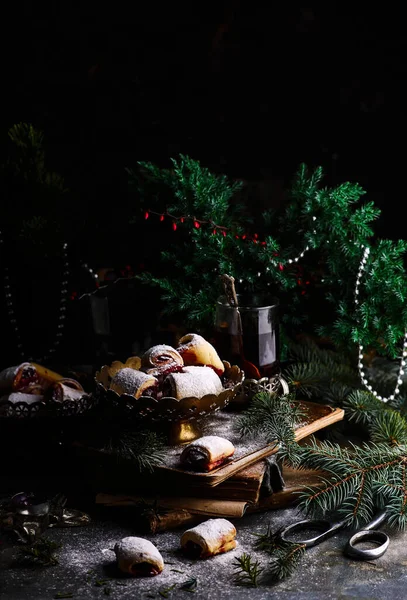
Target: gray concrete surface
<point x="86" y="557"/>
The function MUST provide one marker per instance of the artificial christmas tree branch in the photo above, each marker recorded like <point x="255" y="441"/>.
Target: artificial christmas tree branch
<point x="310" y="259"/>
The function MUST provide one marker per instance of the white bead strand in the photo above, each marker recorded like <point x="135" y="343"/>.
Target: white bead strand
<point x="290" y="261"/>
<point x="62" y="305"/>
<point x="90" y="271"/>
<point x="362" y="373"/>
<point x="62" y="309"/>
<point x="9" y="303"/>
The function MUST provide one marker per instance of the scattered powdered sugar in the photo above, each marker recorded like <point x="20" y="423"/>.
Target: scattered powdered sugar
<point x="196" y="350"/>
<point x="190" y="340"/>
<point x="66" y="392"/>
<point x="224" y="425"/>
<point x="87" y="565"/>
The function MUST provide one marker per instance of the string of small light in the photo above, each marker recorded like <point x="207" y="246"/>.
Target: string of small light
<point x="62" y="307"/>
<point x="362" y="373"/>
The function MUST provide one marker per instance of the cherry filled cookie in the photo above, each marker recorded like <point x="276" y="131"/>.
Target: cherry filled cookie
<point x="195" y="350"/>
<point x="207" y="453"/>
<point x="209" y="538"/>
<point x="194" y="369"/>
<point x="138" y="557"/>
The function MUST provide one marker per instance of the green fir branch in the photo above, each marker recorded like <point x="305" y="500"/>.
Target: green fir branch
<point x="144" y="448"/>
<point x="389" y="427"/>
<point x="41" y="553"/>
<point x="305" y="378"/>
<point x="359" y="480"/>
<point x="248" y="571"/>
<point x="321" y="374"/>
<point x="273" y="418"/>
<point x="285" y="556"/>
<point x="363" y="408"/>
<point x="332" y="222"/>
<point x="285" y="560"/>
<point x="336" y="393"/>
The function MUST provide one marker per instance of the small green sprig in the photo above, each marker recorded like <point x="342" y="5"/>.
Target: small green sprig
<point x="269" y="540"/>
<point x="248" y="570"/>
<point x="145" y="448"/>
<point x="191" y="585"/>
<point x="285" y="560"/>
<point x="164" y="593"/>
<point x="285" y="555"/>
<point x="41" y="553"/>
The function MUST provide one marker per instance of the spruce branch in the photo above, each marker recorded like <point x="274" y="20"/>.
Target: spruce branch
<point x="308" y="351"/>
<point x="359" y="480"/>
<point x="144" y="448"/>
<point x="320" y="373"/>
<point x="305" y="378"/>
<point x="274" y="418"/>
<point x="363" y="408"/>
<point x="336" y="393"/>
<point x="285" y="560"/>
<point x="333" y="223"/>
<point x="389" y="427"/>
<point x="285" y="556"/>
<point x="248" y="572"/>
<point x="41" y="553"/>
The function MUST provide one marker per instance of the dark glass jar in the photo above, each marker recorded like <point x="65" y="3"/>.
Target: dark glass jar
<point x="249" y="335"/>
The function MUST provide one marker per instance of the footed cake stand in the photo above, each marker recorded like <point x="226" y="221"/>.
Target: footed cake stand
<point x="181" y="419"/>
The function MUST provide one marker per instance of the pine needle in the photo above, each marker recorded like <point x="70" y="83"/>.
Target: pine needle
<point x="144" y="448"/>
<point x="40" y="553"/>
<point x="390" y="428"/>
<point x="361" y="479"/>
<point x="191" y="585"/>
<point x="363" y="408"/>
<point x="285" y="560"/>
<point x="248" y="571"/>
<point x="285" y="556"/>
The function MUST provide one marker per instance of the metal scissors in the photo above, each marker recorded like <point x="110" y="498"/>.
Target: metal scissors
<point x="367" y="534"/>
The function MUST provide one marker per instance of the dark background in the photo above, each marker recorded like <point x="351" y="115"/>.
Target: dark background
<point x="248" y="89"/>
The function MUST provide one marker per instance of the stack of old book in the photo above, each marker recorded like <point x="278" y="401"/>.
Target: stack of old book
<point x="172" y="496"/>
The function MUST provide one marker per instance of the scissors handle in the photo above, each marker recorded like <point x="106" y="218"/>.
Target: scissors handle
<point x="378" y="537"/>
<point x="378" y="520"/>
<point x="367" y="534"/>
<point x="327" y="531"/>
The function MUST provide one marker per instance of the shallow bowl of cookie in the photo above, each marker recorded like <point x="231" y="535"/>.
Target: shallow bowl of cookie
<point x="30" y="390"/>
<point x="176" y="395"/>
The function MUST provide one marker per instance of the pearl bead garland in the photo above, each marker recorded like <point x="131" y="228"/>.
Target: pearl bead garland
<point x="62" y="307"/>
<point x="362" y="373"/>
<point x="90" y="271"/>
<point x="290" y="261"/>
